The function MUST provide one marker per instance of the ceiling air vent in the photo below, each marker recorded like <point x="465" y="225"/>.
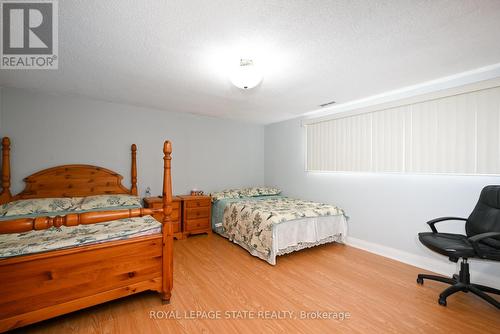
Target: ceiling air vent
<point x="327" y="104"/>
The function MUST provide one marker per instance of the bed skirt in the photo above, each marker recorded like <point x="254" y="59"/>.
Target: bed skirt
<point x="295" y="235"/>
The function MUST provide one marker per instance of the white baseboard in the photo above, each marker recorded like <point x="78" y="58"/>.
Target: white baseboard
<point x="443" y="267"/>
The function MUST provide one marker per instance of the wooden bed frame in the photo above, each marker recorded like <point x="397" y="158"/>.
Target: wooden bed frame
<point x="39" y="286"/>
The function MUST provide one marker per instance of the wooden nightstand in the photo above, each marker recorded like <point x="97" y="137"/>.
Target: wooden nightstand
<point x="196" y="214"/>
<point x="175" y="217"/>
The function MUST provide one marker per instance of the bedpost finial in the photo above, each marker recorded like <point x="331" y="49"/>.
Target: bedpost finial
<point x="5" y="141"/>
<point x="133" y="147"/>
<point x="167" y="147"/>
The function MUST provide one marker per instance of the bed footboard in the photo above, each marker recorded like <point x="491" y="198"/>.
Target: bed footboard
<point x="42" y="286"/>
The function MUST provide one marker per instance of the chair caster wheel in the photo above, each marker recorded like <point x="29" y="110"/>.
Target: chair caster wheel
<point x="442" y="301"/>
<point x="420" y="280"/>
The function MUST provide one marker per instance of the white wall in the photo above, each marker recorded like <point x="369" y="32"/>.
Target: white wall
<point x="386" y="210"/>
<point x="208" y="153"/>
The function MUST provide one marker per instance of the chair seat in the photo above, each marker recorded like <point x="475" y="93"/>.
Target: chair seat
<point x="456" y="246"/>
<point x="452" y="245"/>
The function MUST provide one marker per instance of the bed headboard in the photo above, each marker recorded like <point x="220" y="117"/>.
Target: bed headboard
<point x="66" y="180"/>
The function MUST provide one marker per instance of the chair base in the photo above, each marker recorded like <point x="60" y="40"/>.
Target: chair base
<point x="461" y="282"/>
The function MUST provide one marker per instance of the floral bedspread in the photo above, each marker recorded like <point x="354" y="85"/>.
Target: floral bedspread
<point x="250" y="222"/>
<point x="31" y="242"/>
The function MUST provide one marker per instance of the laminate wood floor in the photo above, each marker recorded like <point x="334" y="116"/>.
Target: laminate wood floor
<point x="213" y="275"/>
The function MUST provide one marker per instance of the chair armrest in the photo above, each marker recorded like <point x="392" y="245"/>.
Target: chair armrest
<point x="474" y="240"/>
<point x="431" y="223"/>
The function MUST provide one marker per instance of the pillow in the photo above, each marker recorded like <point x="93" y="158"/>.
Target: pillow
<point x="109" y="201"/>
<point x="249" y="192"/>
<point x="38" y="205"/>
<point x="260" y="191"/>
<point x="245" y="192"/>
<point x="230" y="193"/>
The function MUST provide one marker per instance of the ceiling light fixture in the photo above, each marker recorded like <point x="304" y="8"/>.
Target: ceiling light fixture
<point x="247" y="75"/>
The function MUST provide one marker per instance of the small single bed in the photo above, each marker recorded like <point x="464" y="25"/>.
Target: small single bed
<point x="268" y="225"/>
<point x="76" y="237"/>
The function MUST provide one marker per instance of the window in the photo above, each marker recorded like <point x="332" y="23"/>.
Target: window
<point x="457" y="134"/>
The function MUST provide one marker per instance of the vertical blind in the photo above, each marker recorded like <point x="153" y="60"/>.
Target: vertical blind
<point x="457" y="134"/>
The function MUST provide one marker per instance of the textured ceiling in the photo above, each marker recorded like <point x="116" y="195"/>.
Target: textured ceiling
<point x="173" y="55"/>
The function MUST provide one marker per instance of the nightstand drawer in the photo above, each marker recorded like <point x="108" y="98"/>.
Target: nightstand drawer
<point x="198" y="203"/>
<point x="196" y="213"/>
<point x="196" y="224"/>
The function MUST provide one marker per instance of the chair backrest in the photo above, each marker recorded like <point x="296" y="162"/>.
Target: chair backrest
<point x="486" y="215"/>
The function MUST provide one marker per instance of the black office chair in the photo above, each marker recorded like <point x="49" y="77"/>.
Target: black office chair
<point x="482" y="241"/>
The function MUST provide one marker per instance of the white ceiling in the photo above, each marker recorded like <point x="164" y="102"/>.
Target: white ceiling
<point x="173" y="55"/>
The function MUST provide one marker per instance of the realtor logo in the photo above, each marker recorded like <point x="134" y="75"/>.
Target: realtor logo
<point x="29" y="34"/>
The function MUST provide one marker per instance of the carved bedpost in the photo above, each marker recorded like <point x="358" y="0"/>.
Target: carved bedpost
<point x="133" y="190"/>
<point x="168" y="229"/>
<point x="5" y="195"/>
